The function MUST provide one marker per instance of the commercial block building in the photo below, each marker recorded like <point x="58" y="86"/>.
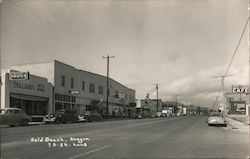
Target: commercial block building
<point x="33" y="95"/>
<point x="82" y="90"/>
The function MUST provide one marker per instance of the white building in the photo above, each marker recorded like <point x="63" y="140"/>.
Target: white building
<point x="34" y="95"/>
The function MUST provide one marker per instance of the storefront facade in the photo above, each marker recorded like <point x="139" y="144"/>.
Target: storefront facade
<point x="83" y="90"/>
<point x="33" y="95"/>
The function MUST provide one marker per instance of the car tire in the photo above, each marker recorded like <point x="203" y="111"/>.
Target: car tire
<point x="24" y="122"/>
<point x="57" y="121"/>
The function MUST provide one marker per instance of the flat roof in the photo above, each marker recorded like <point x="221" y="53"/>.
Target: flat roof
<point x="92" y="73"/>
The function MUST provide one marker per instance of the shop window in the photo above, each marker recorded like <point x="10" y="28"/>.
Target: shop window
<point x="88" y="107"/>
<point x="83" y="86"/>
<point x="116" y="94"/>
<point x="91" y="88"/>
<point x="100" y="90"/>
<point x="63" y="81"/>
<point x="71" y="82"/>
<point x="58" y="106"/>
<point x="73" y="106"/>
<point x="66" y="106"/>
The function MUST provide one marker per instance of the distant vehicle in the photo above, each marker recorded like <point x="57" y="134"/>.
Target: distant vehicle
<point x="13" y="117"/>
<point x="159" y="114"/>
<point x="92" y="116"/>
<point x="62" y="116"/>
<point x="139" y="116"/>
<point x="153" y="116"/>
<point x="81" y="118"/>
<point x="216" y="119"/>
<point x="178" y="114"/>
<point x="49" y="118"/>
<point x="184" y="111"/>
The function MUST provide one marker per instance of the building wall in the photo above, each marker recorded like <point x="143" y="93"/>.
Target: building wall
<point x="4" y="90"/>
<point x="54" y="70"/>
<point x="85" y="97"/>
<point x="35" y="89"/>
<point x="234" y="100"/>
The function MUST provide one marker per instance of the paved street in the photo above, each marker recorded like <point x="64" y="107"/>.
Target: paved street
<point x="172" y="137"/>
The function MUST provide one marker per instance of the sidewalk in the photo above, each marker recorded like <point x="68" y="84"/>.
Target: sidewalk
<point x="234" y="124"/>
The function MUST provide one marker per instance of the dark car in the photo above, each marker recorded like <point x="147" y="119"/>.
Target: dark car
<point x="65" y="116"/>
<point x="92" y="116"/>
<point x="13" y="117"/>
<point x="139" y="116"/>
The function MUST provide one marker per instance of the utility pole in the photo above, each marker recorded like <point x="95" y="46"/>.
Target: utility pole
<point x="107" y="97"/>
<point x="157" y="103"/>
<point x="249" y="58"/>
<point x="222" y="89"/>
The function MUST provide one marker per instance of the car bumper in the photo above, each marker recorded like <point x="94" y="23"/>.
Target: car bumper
<point x="49" y="120"/>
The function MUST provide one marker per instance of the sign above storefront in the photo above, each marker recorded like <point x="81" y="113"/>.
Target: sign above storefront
<point x="19" y="75"/>
<point x="239" y="89"/>
<point x="74" y="92"/>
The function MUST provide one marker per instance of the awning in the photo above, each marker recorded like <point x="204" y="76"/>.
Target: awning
<point x="28" y="97"/>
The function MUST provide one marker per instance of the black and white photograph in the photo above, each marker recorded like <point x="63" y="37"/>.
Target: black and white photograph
<point x="124" y="79"/>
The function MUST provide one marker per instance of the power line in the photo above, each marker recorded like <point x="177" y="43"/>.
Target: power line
<point x="237" y="47"/>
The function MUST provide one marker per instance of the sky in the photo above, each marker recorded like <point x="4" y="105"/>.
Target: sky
<point x="178" y="44"/>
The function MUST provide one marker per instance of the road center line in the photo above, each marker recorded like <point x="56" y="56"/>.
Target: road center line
<point x="92" y="151"/>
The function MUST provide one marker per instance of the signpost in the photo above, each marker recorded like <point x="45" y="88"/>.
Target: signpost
<point x="74" y="92"/>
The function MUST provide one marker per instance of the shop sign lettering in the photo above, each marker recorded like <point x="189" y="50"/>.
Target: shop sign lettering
<point x="38" y="87"/>
<point x="239" y="90"/>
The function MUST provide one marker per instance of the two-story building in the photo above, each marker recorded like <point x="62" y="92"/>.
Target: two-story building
<point x="81" y="90"/>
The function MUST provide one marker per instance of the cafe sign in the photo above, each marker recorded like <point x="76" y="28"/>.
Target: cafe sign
<point x="239" y="89"/>
<point x="19" y="75"/>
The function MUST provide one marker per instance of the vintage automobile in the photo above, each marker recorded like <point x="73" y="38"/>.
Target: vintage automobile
<point x="139" y="116"/>
<point x="216" y="119"/>
<point x="81" y="118"/>
<point x="92" y="116"/>
<point x="49" y="118"/>
<point x="13" y="117"/>
<point x="62" y="116"/>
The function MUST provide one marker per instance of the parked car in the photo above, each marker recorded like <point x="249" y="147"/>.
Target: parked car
<point x="81" y="118"/>
<point x="49" y="118"/>
<point x="62" y="116"/>
<point x="216" y="119"/>
<point x="139" y="116"/>
<point x="92" y="116"/>
<point x="13" y="117"/>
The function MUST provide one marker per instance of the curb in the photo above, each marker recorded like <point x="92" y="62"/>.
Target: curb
<point x="36" y="123"/>
<point x="240" y="121"/>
